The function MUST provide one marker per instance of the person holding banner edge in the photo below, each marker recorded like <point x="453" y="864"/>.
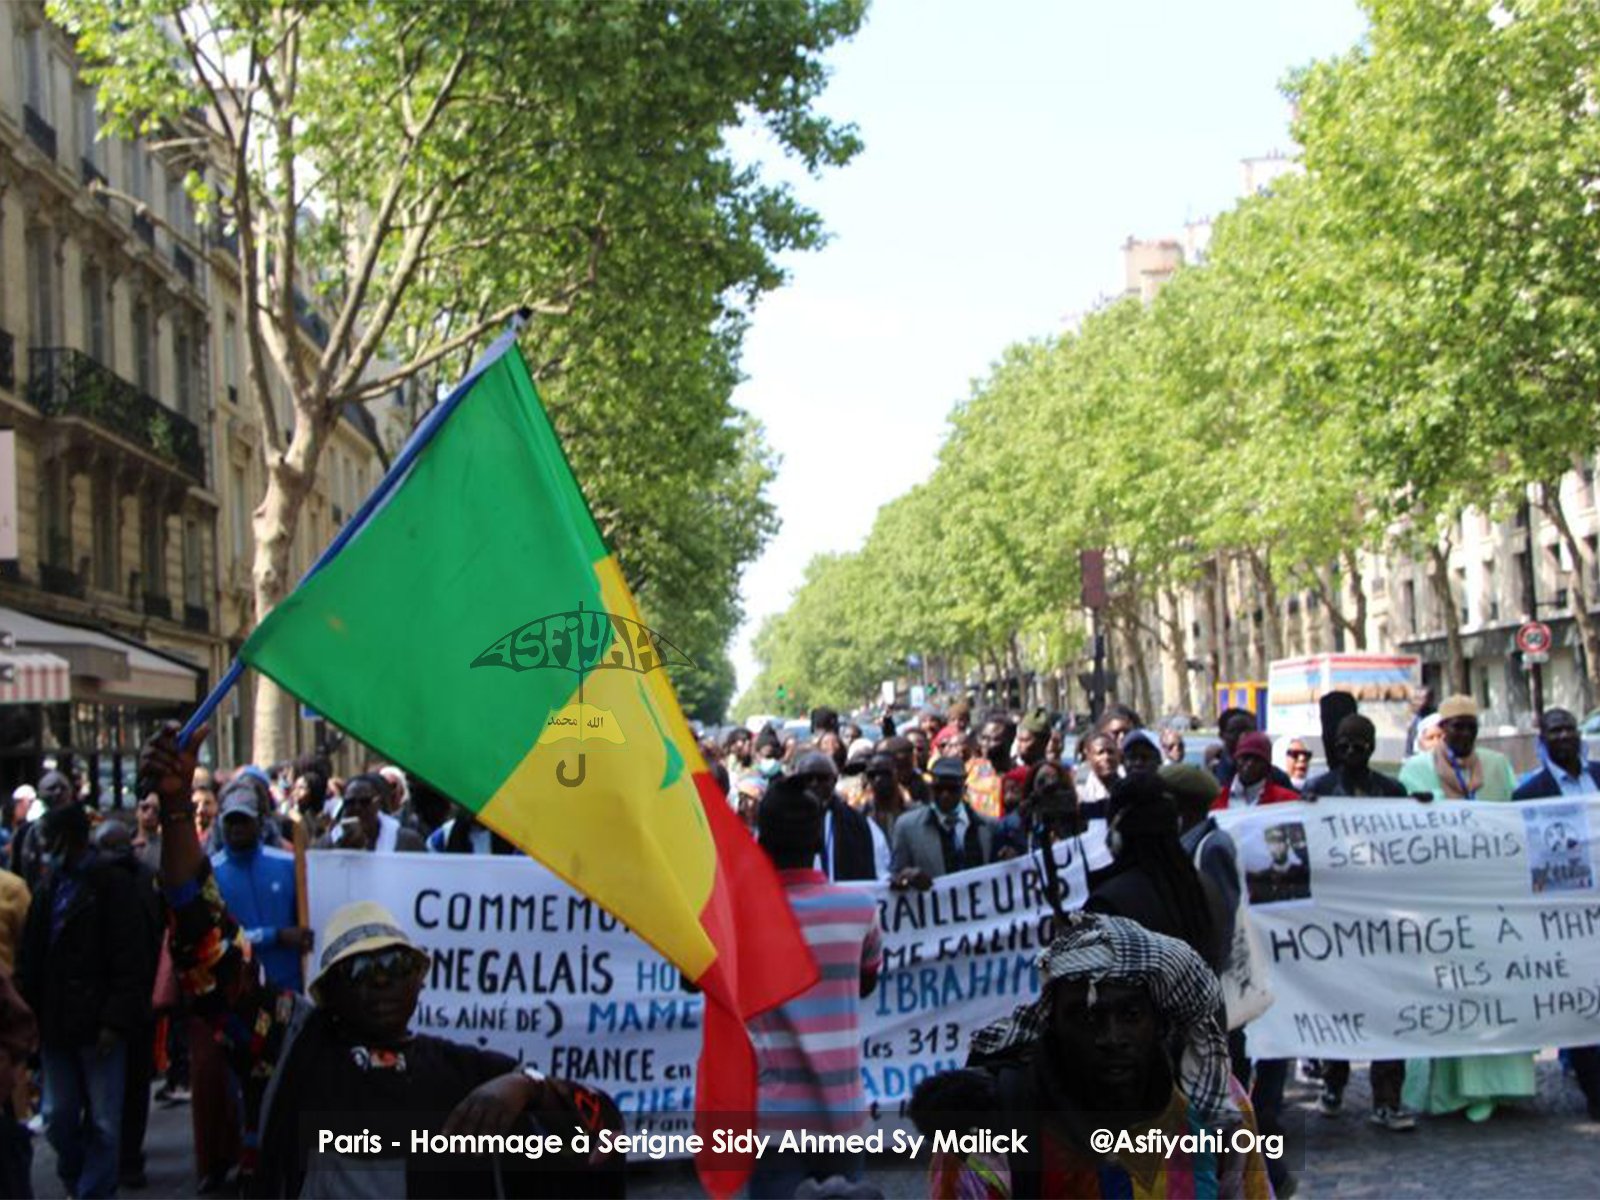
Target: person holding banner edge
<point x="348" y="1050"/>
<point x="1567" y="773"/>
<point x="1354" y="743"/>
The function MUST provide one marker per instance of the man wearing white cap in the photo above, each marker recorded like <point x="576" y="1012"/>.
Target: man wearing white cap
<point x="1458" y="768"/>
<point x="349" y="1053"/>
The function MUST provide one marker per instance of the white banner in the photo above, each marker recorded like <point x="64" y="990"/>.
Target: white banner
<point x="524" y="965"/>
<point x="1394" y="929"/>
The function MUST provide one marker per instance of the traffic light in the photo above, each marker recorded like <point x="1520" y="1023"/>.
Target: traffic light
<point x="783" y="693"/>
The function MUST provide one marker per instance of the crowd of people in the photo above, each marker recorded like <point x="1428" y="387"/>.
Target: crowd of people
<point x="112" y="964"/>
<point x="929" y="797"/>
<point x="163" y="955"/>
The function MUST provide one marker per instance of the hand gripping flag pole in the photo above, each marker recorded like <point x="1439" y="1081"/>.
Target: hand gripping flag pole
<point x="418" y="441"/>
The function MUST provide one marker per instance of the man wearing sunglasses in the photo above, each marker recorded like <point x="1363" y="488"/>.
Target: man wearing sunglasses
<point x="346" y="1060"/>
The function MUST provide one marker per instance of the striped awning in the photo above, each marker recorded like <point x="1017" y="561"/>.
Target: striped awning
<point x="37" y="677"/>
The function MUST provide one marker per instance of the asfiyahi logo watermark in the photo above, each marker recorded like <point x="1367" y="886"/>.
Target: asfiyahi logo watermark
<point x="582" y="641"/>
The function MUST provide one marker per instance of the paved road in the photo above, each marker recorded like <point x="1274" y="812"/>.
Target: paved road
<point x="1544" y="1148"/>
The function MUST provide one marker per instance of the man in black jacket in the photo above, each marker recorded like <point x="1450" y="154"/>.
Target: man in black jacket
<point x="83" y="969"/>
<point x="113" y="841"/>
<point x="852" y="846"/>
<point x="1354" y="742"/>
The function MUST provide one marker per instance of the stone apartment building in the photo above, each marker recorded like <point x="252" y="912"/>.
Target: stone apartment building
<point x="134" y="458"/>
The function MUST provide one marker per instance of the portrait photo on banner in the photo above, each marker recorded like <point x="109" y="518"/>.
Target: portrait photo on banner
<point x="1277" y="866"/>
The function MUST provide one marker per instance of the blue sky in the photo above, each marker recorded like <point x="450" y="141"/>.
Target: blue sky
<point x="1012" y="146"/>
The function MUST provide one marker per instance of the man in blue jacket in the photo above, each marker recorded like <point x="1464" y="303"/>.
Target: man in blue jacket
<point x="1567" y="773"/>
<point x="257" y="884"/>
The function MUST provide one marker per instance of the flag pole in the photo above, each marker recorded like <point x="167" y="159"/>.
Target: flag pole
<point x="420" y="437"/>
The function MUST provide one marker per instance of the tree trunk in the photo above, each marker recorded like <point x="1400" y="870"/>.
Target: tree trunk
<point x="1219" y="592"/>
<point x="1582" y="597"/>
<point x="1178" y="647"/>
<point x="1267" y="595"/>
<point x="1208" y="597"/>
<point x="1358" y="590"/>
<point x="1134" y="669"/>
<point x="1456" y="659"/>
<point x="274" y="520"/>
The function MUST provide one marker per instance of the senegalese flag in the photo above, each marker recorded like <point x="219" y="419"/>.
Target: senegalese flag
<point x="475" y="629"/>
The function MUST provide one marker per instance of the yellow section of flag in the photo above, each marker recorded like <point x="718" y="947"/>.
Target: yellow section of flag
<point x="627" y="828"/>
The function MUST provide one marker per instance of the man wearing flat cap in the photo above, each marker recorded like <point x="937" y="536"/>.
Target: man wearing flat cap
<point x="943" y="836"/>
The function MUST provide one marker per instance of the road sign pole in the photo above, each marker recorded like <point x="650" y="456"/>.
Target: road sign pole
<point x="1533" y="641"/>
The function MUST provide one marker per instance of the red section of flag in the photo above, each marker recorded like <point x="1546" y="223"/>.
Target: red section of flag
<point x="762" y="960"/>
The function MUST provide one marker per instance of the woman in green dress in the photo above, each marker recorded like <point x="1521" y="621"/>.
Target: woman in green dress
<point x="1457" y="770"/>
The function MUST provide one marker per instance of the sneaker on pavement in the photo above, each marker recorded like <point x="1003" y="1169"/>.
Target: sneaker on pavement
<point x="1330" y="1101"/>
<point x="1395" y="1120"/>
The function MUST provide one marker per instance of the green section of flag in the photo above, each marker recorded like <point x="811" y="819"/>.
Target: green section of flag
<point x="486" y="533"/>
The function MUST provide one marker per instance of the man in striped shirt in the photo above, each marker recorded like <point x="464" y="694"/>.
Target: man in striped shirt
<point x="809" y="1049"/>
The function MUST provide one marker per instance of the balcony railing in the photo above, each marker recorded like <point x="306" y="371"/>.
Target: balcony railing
<point x="184" y="262"/>
<point x="8" y="361"/>
<point x="40" y="132"/>
<point x="145" y="228"/>
<point x="227" y="242"/>
<point x="63" y="382"/>
<point x="54" y="575"/>
<point x="158" y="606"/>
<point x="93" y="175"/>
<point x="197" y="617"/>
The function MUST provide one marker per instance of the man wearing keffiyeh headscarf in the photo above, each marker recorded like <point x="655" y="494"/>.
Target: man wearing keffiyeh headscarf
<point x="1124" y="1036"/>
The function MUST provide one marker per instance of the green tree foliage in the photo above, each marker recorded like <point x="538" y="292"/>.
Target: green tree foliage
<point x="425" y="170"/>
<point x="1409" y="329"/>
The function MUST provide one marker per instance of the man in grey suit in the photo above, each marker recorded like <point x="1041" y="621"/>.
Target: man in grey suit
<point x="943" y="835"/>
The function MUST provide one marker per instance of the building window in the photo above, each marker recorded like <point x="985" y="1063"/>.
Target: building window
<point x="183" y="370"/>
<point x="239" y="514"/>
<point x="88" y="127"/>
<point x="138" y="172"/>
<point x="144" y="351"/>
<point x="194" y="588"/>
<point x="153" y="551"/>
<point x="42" y="287"/>
<point x="230" y="356"/>
<point x="57" y="548"/>
<point x="104" y="503"/>
<point x="36" y="69"/>
<point x="94" y="315"/>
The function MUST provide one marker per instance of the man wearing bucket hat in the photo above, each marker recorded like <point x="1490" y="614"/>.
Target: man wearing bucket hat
<point x="348" y="1052"/>
<point x="1124" y="1036"/>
